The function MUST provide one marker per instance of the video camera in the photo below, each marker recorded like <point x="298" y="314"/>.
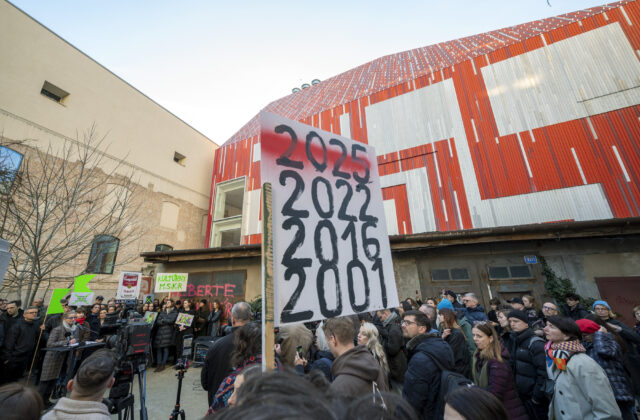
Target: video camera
<point x="129" y="339"/>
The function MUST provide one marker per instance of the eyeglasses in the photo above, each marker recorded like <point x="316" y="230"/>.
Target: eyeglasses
<point x="31" y="312"/>
<point x="405" y="322"/>
<point x="549" y="308"/>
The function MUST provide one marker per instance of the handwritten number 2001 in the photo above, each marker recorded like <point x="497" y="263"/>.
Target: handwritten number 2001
<point x="296" y="266"/>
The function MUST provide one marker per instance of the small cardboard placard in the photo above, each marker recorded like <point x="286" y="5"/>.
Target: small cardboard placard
<point x="81" y="299"/>
<point x="150" y="317"/>
<point x="184" y="319"/>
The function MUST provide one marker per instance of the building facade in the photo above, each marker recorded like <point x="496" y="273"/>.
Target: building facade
<point x="50" y="93"/>
<point x="533" y="124"/>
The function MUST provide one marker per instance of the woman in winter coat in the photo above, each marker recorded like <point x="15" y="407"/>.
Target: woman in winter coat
<point x="491" y="369"/>
<point x="453" y="335"/>
<point x="582" y="390"/>
<point x="630" y="355"/>
<point x="67" y="332"/>
<point x="214" y="318"/>
<point x="368" y="336"/>
<point x="165" y="323"/>
<point x="603" y="348"/>
<point x="182" y="330"/>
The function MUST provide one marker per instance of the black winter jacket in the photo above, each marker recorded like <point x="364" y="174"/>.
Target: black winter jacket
<point x="528" y="362"/>
<point x="606" y="351"/>
<point x="461" y="355"/>
<point x="217" y="365"/>
<point x="422" y="379"/>
<point x="393" y="342"/>
<point x="165" y="333"/>
<point x="578" y="312"/>
<point x="20" y="341"/>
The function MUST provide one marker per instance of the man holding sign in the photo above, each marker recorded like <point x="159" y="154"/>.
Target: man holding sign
<point x="331" y="254"/>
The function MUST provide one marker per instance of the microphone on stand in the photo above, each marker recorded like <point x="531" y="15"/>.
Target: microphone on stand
<point x="67" y="335"/>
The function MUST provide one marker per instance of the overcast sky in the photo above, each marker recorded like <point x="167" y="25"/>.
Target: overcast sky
<point x="215" y="64"/>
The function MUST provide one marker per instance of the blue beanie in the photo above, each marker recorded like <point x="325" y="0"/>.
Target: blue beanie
<point x="445" y="304"/>
<point x="600" y="302"/>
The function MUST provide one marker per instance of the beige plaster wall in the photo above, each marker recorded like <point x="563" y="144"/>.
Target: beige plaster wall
<point x="139" y="130"/>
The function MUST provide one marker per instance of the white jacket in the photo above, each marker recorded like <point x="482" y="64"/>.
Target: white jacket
<point x="68" y="409"/>
<point x="582" y="392"/>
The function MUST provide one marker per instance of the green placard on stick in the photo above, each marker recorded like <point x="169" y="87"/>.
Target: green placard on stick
<point x="80" y="283"/>
<point x="54" y="304"/>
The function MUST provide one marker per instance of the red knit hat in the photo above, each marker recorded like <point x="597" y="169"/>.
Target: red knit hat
<point x="587" y="326"/>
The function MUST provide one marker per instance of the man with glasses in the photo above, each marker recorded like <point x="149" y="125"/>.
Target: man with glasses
<point x="427" y="353"/>
<point x="548" y="309"/>
<point x="19" y="345"/>
<point x="67" y="333"/>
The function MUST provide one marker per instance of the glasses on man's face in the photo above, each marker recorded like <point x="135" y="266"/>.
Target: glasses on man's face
<point x="406" y="322"/>
<point x="31" y="312"/>
<point x="549" y="308"/>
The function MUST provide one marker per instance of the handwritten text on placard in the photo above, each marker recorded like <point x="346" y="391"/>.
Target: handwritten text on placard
<point x="171" y="282"/>
<point x="330" y="243"/>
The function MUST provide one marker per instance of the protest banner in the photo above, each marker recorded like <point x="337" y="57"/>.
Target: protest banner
<point x="171" y="282"/>
<point x="331" y="252"/>
<point x="81" y="299"/>
<point x="150" y="317"/>
<point x="147" y="299"/>
<point x="128" y="285"/>
<point x="184" y="319"/>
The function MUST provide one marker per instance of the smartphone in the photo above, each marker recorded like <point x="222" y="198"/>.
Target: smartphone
<point x="299" y="350"/>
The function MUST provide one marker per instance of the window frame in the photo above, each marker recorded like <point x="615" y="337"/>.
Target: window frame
<point x="99" y="266"/>
<point x="219" y="223"/>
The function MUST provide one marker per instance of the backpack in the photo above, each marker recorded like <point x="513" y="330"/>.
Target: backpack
<point x="449" y="381"/>
<point x="549" y="384"/>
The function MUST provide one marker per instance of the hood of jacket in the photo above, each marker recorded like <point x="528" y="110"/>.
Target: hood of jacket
<point x="432" y="345"/>
<point x="356" y="362"/>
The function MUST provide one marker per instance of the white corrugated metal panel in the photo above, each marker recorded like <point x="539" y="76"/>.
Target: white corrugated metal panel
<point x="584" y="75"/>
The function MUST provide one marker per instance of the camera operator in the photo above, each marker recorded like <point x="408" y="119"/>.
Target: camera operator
<point x="88" y="386"/>
<point x="67" y="333"/>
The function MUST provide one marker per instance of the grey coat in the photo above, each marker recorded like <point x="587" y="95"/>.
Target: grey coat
<point x="53" y="360"/>
<point x="582" y="392"/>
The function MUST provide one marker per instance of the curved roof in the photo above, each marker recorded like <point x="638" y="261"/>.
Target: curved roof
<point x="391" y="70"/>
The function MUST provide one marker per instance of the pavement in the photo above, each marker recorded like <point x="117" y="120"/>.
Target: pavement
<point x="162" y="388"/>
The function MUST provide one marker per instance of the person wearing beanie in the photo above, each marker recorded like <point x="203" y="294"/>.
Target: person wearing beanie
<point x="631" y="358"/>
<point x="453" y="298"/>
<point x="445" y="304"/>
<point x="582" y="390"/>
<point x="528" y="364"/>
<point x="463" y="322"/>
<point x="516" y="303"/>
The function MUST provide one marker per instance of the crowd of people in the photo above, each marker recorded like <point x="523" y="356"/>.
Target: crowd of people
<point x="518" y="360"/>
<point x="446" y="357"/>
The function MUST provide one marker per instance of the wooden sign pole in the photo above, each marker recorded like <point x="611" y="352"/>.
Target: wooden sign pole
<point x="268" y="351"/>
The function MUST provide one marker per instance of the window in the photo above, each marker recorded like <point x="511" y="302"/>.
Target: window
<point x="510" y="272"/>
<point x="179" y="158"/>
<point x="54" y="92"/>
<point x="10" y="161"/>
<point x="163" y="248"/>
<point x="227" y="214"/>
<point x="443" y="274"/>
<point x="103" y="254"/>
<point x="498" y="273"/>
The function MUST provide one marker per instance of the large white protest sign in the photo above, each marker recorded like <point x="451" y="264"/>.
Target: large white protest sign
<point x="129" y="285"/>
<point x="331" y="253"/>
<point x="171" y="282"/>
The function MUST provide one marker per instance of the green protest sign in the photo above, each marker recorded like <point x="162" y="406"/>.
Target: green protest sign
<point x="171" y="282"/>
<point x="80" y="283"/>
<point x="54" y="304"/>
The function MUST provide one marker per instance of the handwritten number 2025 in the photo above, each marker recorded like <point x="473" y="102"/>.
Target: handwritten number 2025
<point x="328" y="258"/>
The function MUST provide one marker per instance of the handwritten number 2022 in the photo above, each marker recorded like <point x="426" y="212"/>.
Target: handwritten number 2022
<point x="317" y="154"/>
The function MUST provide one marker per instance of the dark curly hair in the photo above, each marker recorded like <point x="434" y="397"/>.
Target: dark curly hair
<point x="247" y="342"/>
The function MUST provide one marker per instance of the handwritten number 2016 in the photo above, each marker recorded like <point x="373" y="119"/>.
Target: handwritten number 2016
<point x="296" y="266"/>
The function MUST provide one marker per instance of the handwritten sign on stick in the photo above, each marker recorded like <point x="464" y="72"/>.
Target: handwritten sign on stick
<point x="171" y="282"/>
<point x="184" y="319"/>
<point x="330" y="244"/>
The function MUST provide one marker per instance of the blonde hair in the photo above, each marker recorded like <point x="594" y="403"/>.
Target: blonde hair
<point x="373" y="344"/>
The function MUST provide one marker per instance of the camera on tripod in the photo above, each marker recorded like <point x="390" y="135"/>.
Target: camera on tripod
<point x="130" y="339"/>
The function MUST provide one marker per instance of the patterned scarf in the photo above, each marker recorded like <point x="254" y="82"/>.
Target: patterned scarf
<point x="559" y="354"/>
